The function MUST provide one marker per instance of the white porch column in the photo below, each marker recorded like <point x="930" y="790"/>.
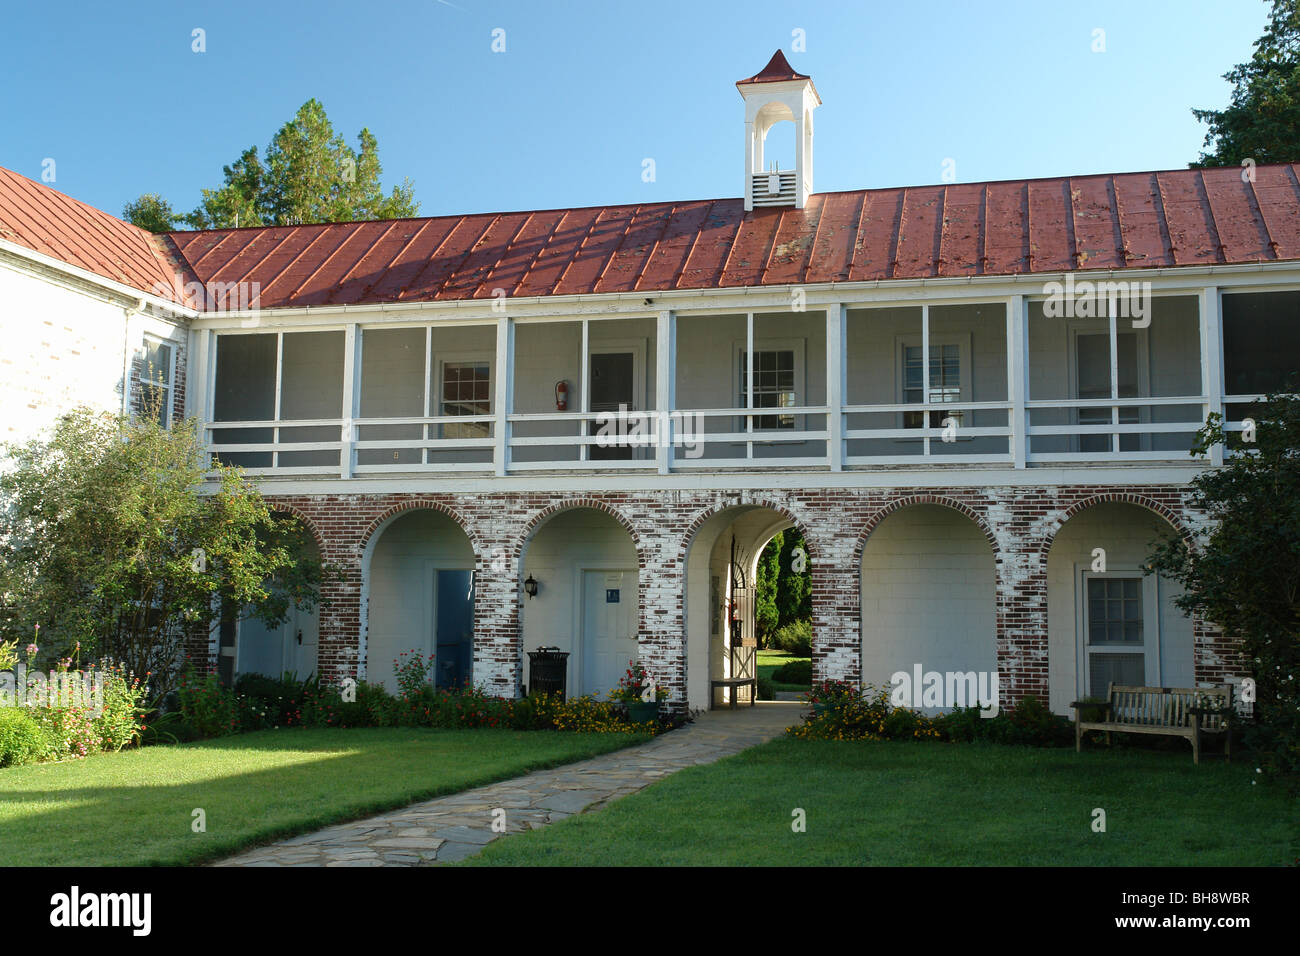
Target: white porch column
<point x="1018" y="375"/>
<point x="504" y="394"/>
<point x="1212" y="359"/>
<point x="665" y="388"/>
<point x="351" y="398"/>
<point x="198" y="378"/>
<point x="836" y="380"/>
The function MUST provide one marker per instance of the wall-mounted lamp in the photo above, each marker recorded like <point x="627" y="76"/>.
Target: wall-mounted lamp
<point x="530" y="587"/>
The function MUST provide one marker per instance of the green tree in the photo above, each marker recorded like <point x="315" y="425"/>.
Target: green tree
<point x="151" y="212"/>
<point x="767" y="618"/>
<point x="783" y="589"/>
<point x="112" y="542"/>
<point x="794" y="583"/>
<point x="310" y="174"/>
<point x="1244" y="573"/>
<point x="1263" y="121"/>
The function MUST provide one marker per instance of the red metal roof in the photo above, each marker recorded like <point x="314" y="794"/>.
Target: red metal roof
<point x="1130" y="220"/>
<point x="778" y="70"/>
<point x="1176" y="218"/>
<point x="46" y="221"/>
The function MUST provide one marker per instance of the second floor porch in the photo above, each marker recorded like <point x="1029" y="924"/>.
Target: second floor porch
<point x="1016" y="381"/>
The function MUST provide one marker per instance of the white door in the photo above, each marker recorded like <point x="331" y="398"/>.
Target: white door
<point x="301" y="635"/>
<point x="609" y="614"/>
<point x="290" y="647"/>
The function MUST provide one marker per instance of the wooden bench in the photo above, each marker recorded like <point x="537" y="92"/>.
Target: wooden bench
<point x="1187" y="712"/>
<point x="734" y="683"/>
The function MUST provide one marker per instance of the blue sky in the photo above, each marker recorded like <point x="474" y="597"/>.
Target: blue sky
<point x="585" y="91"/>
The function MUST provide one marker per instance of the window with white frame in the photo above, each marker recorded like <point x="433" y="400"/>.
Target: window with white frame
<point x="950" y="375"/>
<point x="778" y="381"/>
<point x="466" y="390"/>
<point x="1120" y="634"/>
<point x="155" y="382"/>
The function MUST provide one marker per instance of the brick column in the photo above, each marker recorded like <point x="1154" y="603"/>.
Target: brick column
<point x="661" y="640"/>
<point x="1021" y="577"/>
<point x="1214" y="658"/>
<point x="498" y="635"/>
<point x="337" y="654"/>
<point x="836" y="608"/>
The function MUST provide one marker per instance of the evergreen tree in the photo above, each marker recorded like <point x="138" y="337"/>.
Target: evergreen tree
<point x="310" y="174"/>
<point x="1263" y="121"/>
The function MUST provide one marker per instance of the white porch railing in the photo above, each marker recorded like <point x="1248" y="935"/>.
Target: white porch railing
<point x="1128" y="430"/>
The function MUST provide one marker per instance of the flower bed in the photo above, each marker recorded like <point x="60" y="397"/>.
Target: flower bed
<point x="209" y="709"/>
<point x="842" y="712"/>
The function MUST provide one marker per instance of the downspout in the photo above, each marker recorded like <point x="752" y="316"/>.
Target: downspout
<point x="127" y="313"/>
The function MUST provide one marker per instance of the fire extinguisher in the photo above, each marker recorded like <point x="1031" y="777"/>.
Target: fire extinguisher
<point x="561" y="395"/>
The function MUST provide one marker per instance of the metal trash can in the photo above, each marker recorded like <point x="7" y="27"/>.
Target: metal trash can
<point x="548" y="671"/>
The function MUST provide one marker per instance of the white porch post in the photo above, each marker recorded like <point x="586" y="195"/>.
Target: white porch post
<point x="1212" y="359"/>
<point x="665" y="388"/>
<point x="584" y="402"/>
<point x="351" y="398"/>
<point x="198" y="380"/>
<point x="504" y="395"/>
<point x="749" y="384"/>
<point x="836" y="379"/>
<point x="925" y="379"/>
<point x="1018" y="375"/>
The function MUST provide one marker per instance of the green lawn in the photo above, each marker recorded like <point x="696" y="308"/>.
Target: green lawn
<point x="770" y="660"/>
<point x="134" y="808"/>
<point x="914" y="803"/>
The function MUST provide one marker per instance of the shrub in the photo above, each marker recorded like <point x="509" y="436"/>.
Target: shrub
<point x="379" y="705"/>
<point x="267" y="701"/>
<point x="69" y="731"/>
<point x="412" y="672"/>
<point x="794" y="672"/>
<point x="120" y="723"/>
<point x="765" y="689"/>
<point x="1030" y="724"/>
<point x="794" y="638"/>
<point x="21" y="738"/>
<point x="211" y="709"/>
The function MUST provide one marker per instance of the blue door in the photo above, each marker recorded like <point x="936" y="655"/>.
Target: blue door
<point x="454" y="628"/>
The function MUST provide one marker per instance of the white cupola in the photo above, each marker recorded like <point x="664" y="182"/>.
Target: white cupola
<point x="774" y="95"/>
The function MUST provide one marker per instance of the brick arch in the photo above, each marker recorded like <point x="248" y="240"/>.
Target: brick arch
<point x="898" y="504"/>
<point x="418" y="504"/>
<point x="307" y="520"/>
<point x="1172" y="517"/>
<point x="573" y="504"/>
<point x="688" y="536"/>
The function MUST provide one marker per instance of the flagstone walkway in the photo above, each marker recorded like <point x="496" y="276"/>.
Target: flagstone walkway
<point x="453" y="827"/>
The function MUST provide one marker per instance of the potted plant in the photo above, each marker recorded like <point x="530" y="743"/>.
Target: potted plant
<point x="640" y="693"/>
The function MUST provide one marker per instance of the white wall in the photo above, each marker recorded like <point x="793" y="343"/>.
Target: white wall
<point x="401" y="601"/>
<point x="1124" y="531"/>
<point x="60" y="348"/>
<point x="928" y="595"/>
<point x="560" y="550"/>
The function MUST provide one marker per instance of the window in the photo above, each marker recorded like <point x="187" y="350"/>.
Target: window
<point x="774" y="385"/>
<point x="466" y="390"/>
<point x="1092" y="380"/>
<point x="949" y="378"/>
<point x="1119" y="639"/>
<point x="155" y="382"/>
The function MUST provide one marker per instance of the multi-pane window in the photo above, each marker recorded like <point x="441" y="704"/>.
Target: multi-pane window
<point x="774" y="385"/>
<point x="945" y="382"/>
<point x="466" y="390"/>
<point x="1116" y="642"/>
<point x="156" y="382"/>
